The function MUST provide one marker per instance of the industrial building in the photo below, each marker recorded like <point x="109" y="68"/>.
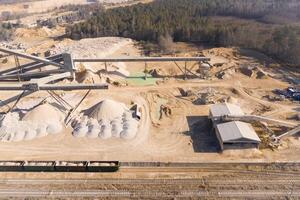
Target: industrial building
<point x="218" y="110"/>
<point x="232" y="134"/>
<point x="236" y="135"/>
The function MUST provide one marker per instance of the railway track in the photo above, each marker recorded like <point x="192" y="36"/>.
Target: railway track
<point x="149" y="194"/>
<point x="226" y="180"/>
<point x="208" y="169"/>
<point x="147" y="181"/>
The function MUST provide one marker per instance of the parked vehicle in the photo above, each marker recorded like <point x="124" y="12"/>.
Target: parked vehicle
<point x="291" y="93"/>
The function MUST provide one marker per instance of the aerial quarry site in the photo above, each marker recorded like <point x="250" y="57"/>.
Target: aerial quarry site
<point x="101" y="118"/>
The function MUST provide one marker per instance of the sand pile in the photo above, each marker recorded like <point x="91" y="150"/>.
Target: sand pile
<point x="92" y="47"/>
<point x="96" y="48"/>
<point x="253" y="72"/>
<point x="107" y="110"/>
<point x="88" y="77"/>
<point x="226" y="73"/>
<point x="105" y="120"/>
<point x="29" y="33"/>
<point x="39" y="122"/>
<point x="227" y="53"/>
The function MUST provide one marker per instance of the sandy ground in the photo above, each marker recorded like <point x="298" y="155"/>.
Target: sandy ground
<point x="185" y="133"/>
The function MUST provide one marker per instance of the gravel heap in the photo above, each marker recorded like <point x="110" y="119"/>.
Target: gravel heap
<point x="105" y="120"/>
<point x="39" y="122"/>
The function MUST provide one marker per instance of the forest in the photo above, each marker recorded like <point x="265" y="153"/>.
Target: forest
<point x="269" y="26"/>
<point x="6" y="31"/>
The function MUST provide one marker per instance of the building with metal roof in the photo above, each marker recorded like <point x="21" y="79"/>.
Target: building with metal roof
<point x="218" y="110"/>
<point x="236" y="134"/>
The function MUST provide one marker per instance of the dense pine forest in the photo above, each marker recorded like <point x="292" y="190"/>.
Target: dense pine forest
<point x="270" y="26"/>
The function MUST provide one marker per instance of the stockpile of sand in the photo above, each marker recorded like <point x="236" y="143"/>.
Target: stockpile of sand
<point x="36" y="32"/>
<point x="84" y="75"/>
<point x="96" y="48"/>
<point x="105" y="120"/>
<point x="91" y="47"/>
<point x="108" y="110"/>
<point x="253" y="72"/>
<point x="39" y="122"/>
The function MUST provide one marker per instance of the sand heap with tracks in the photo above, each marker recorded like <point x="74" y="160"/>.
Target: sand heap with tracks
<point x="107" y="119"/>
<point x="39" y="122"/>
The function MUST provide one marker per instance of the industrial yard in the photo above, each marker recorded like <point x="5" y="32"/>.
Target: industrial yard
<point x="174" y="110"/>
<point x="118" y="116"/>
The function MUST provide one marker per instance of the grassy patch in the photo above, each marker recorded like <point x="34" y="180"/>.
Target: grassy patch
<point x="139" y="79"/>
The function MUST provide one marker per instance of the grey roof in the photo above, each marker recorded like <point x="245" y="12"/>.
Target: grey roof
<point x="218" y="110"/>
<point x="237" y="131"/>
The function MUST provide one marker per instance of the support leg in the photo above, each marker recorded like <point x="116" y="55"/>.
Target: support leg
<point x="185" y="71"/>
<point x="105" y="64"/>
<point x="146" y="70"/>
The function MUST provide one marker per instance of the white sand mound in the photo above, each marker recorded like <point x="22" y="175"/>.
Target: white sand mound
<point x="10" y="119"/>
<point x="30" y="134"/>
<point x="108" y="110"/>
<point x="19" y="136"/>
<point x="39" y="122"/>
<point x="42" y="113"/>
<point x="105" y="131"/>
<point x="93" y="128"/>
<point x="116" y="128"/>
<point x="41" y="130"/>
<point x="130" y="127"/>
<point x="95" y="48"/>
<point x="107" y="119"/>
<point x="92" y="47"/>
<point x="54" y="127"/>
<point x="80" y="131"/>
<point x="53" y="122"/>
<point x="93" y="132"/>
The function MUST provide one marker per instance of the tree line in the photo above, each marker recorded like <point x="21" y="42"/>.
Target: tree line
<point x="218" y="22"/>
<point x="6" y="31"/>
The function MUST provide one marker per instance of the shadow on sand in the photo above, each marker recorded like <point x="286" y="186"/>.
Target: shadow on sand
<point x="202" y="135"/>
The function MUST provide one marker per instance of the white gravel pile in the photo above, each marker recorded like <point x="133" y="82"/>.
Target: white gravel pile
<point x="91" y="47"/>
<point x="96" y="48"/>
<point x="39" y="122"/>
<point x="107" y="110"/>
<point x="107" y="119"/>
